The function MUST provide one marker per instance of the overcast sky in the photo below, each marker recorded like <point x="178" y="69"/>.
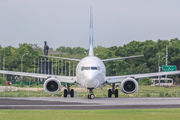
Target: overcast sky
<point x="66" y="22"/>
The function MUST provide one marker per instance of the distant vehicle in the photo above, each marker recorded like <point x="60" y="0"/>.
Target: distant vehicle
<point x="162" y="82"/>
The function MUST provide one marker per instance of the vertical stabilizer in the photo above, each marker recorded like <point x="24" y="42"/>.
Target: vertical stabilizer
<point x="91" y="51"/>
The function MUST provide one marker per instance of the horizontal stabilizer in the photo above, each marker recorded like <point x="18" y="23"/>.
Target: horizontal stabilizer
<point x="122" y="58"/>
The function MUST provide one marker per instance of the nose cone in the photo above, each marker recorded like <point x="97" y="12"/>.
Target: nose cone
<point x="90" y="79"/>
<point x="91" y="83"/>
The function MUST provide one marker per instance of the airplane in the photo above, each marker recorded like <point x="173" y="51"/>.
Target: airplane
<point x="91" y="74"/>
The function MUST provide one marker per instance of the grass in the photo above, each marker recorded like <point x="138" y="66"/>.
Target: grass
<point x="144" y="91"/>
<point x="137" y="114"/>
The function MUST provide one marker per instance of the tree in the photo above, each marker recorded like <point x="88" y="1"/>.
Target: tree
<point x="149" y="63"/>
<point x="2" y="81"/>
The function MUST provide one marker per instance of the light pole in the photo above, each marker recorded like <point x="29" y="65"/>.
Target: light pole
<point x="69" y="68"/>
<point x="159" y="68"/>
<point x="34" y="64"/>
<point x="4" y="65"/>
<point x="22" y="61"/>
<point x="61" y="67"/>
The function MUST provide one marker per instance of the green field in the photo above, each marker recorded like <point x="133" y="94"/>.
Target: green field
<point x="144" y="91"/>
<point x="139" y="114"/>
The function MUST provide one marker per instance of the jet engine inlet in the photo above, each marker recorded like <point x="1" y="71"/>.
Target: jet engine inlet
<point x="129" y="86"/>
<point x="52" y="85"/>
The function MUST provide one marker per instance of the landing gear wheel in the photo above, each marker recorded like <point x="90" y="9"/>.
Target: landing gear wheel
<point x="91" y="96"/>
<point x="109" y="93"/>
<point x="72" y="93"/>
<point x="116" y="93"/>
<point x="65" y="92"/>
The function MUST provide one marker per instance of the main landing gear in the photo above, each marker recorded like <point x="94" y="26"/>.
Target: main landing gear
<point x="91" y="95"/>
<point x="68" y="91"/>
<point x="113" y="91"/>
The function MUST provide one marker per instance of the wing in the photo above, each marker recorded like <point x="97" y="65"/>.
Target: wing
<point x="122" y="58"/>
<point x="115" y="79"/>
<point x="66" y="79"/>
<point x="77" y="60"/>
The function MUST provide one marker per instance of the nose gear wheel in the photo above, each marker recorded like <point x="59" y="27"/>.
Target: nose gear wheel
<point x="91" y="95"/>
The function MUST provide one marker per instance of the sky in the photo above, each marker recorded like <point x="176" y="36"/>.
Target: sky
<point x="67" y="22"/>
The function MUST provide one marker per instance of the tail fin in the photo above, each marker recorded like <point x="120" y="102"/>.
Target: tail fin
<point x="91" y="51"/>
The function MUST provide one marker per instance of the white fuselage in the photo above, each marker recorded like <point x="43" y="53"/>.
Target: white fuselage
<point x="91" y="72"/>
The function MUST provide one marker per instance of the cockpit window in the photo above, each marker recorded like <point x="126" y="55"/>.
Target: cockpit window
<point x="90" y="68"/>
<point x="87" y="68"/>
<point x="93" y="68"/>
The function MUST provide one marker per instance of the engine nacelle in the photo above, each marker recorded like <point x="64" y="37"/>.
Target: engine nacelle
<point x="129" y="85"/>
<point x="52" y="86"/>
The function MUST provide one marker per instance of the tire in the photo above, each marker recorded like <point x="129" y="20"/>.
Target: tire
<point x="89" y="96"/>
<point x="116" y="93"/>
<point x="92" y="96"/>
<point x="72" y="92"/>
<point x="109" y="93"/>
<point x="65" y="92"/>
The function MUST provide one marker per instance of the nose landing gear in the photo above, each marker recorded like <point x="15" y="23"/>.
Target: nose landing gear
<point x="91" y="95"/>
<point x="68" y="91"/>
<point x="113" y="91"/>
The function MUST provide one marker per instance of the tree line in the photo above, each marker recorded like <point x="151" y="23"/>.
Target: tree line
<point x="153" y="51"/>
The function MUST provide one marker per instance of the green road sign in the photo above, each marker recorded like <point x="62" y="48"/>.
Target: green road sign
<point x="168" y="68"/>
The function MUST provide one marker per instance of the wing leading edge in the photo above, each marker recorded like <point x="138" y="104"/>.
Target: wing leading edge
<point x="104" y="60"/>
<point x="66" y="79"/>
<point x="70" y="59"/>
<point x="115" y="79"/>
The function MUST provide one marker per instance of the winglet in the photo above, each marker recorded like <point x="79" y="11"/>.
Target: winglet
<point x="91" y="51"/>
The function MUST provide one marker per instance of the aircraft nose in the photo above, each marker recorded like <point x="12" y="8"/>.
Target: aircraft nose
<point x="91" y="81"/>
<point x="91" y="75"/>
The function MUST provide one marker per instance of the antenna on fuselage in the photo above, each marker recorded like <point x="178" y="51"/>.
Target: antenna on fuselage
<point x="91" y="51"/>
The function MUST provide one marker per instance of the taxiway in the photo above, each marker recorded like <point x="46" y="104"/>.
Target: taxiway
<point x="87" y="104"/>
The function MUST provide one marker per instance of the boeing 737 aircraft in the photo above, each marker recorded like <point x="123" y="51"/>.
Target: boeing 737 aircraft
<point x="91" y="74"/>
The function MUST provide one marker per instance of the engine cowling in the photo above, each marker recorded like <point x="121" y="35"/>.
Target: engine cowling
<point x="129" y="85"/>
<point x="52" y="86"/>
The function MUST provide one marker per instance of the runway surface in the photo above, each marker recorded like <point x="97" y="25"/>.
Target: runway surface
<point x="88" y="104"/>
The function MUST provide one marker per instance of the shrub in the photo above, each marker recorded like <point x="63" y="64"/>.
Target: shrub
<point x="2" y="81"/>
<point x="15" y="85"/>
<point x="161" y="94"/>
<point x="21" y="84"/>
<point x="145" y="81"/>
<point x="148" y="95"/>
<point x="168" y="95"/>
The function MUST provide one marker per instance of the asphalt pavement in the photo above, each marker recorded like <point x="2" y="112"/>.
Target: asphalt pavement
<point x="88" y="104"/>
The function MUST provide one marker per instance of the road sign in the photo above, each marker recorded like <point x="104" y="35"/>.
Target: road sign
<point x="168" y="68"/>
